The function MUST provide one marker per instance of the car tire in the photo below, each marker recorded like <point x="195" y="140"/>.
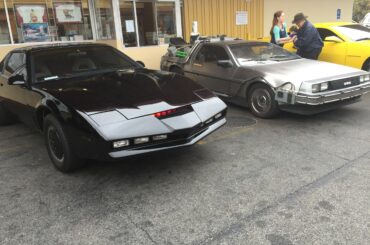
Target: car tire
<point x="5" y="117"/>
<point x="177" y="70"/>
<point x="59" y="150"/>
<point x="261" y="101"/>
<point x="366" y="66"/>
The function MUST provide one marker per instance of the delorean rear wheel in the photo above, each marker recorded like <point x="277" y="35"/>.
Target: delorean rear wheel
<point x="59" y="150"/>
<point x="261" y="101"/>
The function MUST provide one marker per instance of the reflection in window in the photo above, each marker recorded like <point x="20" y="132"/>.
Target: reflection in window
<point x="146" y="23"/>
<point x="128" y="23"/>
<point x="16" y="61"/>
<point x="156" y="22"/>
<point x="104" y="19"/>
<point x="72" y="21"/>
<point x="43" y="21"/>
<point x="211" y="54"/>
<point x="166" y="21"/>
<point x="4" y="30"/>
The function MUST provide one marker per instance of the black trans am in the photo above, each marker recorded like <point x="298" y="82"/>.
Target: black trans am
<point x="93" y="102"/>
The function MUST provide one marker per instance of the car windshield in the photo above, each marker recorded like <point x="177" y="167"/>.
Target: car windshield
<point x="77" y="61"/>
<point x="249" y="52"/>
<point x="354" y="32"/>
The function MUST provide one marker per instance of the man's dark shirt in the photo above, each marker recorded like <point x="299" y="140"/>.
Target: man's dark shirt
<point x="308" y="38"/>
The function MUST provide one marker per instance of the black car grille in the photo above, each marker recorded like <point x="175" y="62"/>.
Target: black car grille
<point x="344" y="83"/>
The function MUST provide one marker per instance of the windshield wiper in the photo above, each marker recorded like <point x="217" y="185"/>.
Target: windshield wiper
<point x="363" y="39"/>
<point x="281" y="56"/>
<point x="244" y="60"/>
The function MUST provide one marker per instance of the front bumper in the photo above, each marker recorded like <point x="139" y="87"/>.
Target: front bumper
<point x="170" y="145"/>
<point x="304" y="109"/>
<point x="332" y="96"/>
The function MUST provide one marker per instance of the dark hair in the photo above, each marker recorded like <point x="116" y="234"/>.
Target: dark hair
<point x="275" y="21"/>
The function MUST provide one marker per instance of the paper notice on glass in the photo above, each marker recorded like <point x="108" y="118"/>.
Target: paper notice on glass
<point x="130" y="26"/>
<point x="241" y="17"/>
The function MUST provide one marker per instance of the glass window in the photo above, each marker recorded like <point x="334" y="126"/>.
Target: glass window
<point x="4" y="30"/>
<point x="128" y="23"/>
<point x="210" y="53"/>
<point x="104" y="19"/>
<point x="155" y="22"/>
<point x="324" y="33"/>
<point x="72" y="21"/>
<point x="45" y="21"/>
<point x="355" y="32"/>
<point x="146" y="23"/>
<point x="78" y="61"/>
<point x="15" y="61"/>
<point x="166" y="19"/>
<point x="245" y="53"/>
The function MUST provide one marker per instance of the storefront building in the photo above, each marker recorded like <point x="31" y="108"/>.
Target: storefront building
<point x="139" y="27"/>
<point x="142" y="28"/>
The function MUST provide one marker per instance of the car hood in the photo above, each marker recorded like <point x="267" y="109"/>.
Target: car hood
<point x="133" y="93"/>
<point x="302" y="70"/>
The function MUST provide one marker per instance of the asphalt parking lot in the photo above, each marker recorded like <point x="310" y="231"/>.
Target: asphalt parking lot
<point x="291" y="180"/>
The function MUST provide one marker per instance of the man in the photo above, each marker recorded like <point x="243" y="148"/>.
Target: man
<point x="308" y="40"/>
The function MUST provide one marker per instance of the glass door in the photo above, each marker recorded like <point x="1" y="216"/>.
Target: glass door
<point x="146" y="22"/>
<point x="127" y="13"/>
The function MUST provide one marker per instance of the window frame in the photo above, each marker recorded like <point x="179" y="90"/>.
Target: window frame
<point x="205" y="45"/>
<point x="9" y="57"/>
<point x="177" y="23"/>
<point x="328" y="30"/>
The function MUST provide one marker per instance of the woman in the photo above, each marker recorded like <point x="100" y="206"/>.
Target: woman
<point x="278" y="31"/>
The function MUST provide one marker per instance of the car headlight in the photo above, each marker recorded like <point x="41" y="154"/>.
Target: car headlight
<point x="324" y="86"/>
<point x="320" y="87"/>
<point x="365" y="78"/>
<point x="316" y="88"/>
<point x="121" y="143"/>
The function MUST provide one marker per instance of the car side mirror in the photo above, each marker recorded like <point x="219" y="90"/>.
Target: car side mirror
<point x="141" y="63"/>
<point x="17" y="79"/>
<point x="333" y="39"/>
<point x="225" y="63"/>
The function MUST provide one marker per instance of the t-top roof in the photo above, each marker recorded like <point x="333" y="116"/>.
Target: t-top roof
<point x="39" y="47"/>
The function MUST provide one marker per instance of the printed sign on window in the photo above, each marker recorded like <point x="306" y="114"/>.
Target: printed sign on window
<point x="130" y="26"/>
<point x="68" y="13"/>
<point x="31" y="13"/>
<point x="35" y="32"/>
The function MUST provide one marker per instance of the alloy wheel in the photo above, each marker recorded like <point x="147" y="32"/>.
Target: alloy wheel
<point x="261" y="100"/>
<point x="55" y="144"/>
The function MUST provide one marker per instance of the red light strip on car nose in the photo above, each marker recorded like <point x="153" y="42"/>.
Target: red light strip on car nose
<point x="173" y="112"/>
<point x="166" y="113"/>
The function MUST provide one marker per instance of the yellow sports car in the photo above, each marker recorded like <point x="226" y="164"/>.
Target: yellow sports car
<point x="344" y="43"/>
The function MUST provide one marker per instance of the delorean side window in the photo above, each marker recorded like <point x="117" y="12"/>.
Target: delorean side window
<point x="211" y="54"/>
